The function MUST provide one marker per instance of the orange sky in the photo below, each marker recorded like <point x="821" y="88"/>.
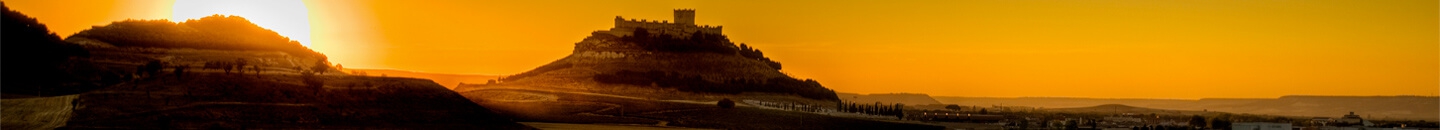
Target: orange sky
<point x="992" y="48"/>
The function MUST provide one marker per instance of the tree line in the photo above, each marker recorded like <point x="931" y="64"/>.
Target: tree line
<point x="696" y="42"/>
<point x="896" y="109"/>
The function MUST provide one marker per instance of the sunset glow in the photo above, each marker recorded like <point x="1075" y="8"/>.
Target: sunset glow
<point x="287" y="17"/>
<point x="973" y="48"/>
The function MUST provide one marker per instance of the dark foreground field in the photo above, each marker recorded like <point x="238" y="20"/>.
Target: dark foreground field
<point x="279" y="101"/>
<point x="587" y="108"/>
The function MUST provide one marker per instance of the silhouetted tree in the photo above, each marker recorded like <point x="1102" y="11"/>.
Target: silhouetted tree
<point x="1220" y="123"/>
<point x="320" y="66"/>
<point x="898" y="110"/>
<point x="726" y="103"/>
<point x="983" y="111"/>
<point x="239" y="65"/>
<point x="180" y="71"/>
<point x="1197" y="121"/>
<point x="953" y="107"/>
<point x="313" y="81"/>
<point x="772" y="64"/>
<point x="1070" y="125"/>
<point x="153" y="67"/>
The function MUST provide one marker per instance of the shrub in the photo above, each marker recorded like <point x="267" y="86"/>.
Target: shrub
<point x="726" y="103"/>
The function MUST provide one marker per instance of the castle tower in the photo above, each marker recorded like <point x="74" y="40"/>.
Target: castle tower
<point x="685" y="16"/>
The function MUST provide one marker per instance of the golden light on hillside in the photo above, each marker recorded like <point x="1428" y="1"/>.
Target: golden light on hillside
<point x="287" y="17"/>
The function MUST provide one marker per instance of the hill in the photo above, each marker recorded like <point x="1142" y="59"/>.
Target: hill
<point x="190" y="81"/>
<point x="211" y="32"/>
<point x="627" y="75"/>
<point x="647" y="64"/>
<point x="1377" y="107"/>
<point x="35" y="58"/>
<point x="889" y="98"/>
<point x="448" y="80"/>
<point x="1118" y="108"/>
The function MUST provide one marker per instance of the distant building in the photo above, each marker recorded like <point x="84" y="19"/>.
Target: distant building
<point x="1348" y="122"/>
<point x="959" y="117"/>
<point x="1321" y="120"/>
<point x="1260" y="126"/>
<point x="1121" y="119"/>
<point x="1353" y="119"/>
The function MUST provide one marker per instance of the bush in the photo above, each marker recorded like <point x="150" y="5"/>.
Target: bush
<point x="726" y="103"/>
<point x="697" y="42"/>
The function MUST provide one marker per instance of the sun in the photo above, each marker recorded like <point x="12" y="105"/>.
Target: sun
<point x="287" y="17"/>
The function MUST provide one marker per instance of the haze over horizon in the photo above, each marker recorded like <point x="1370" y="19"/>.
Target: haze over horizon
<point x="980" y="48"/>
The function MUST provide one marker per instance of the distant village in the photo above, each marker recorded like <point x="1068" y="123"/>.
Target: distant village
<point x="1024" y="118"/>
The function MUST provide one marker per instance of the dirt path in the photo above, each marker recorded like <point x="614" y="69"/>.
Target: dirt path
<point x="36" y="113"/>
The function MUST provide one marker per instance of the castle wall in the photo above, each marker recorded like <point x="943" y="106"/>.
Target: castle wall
<point x="625" y="27"/>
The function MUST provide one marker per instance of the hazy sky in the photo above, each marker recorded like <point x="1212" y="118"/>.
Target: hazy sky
<point x="999" y="48"/>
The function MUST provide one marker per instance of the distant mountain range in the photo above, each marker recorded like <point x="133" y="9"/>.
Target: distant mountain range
<point x="889" y="98"/>
<point x="1373" y="107"/>
<point x="447" y="80"/>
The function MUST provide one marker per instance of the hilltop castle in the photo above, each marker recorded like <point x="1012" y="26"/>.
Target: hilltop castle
<point x="683" y="26"/>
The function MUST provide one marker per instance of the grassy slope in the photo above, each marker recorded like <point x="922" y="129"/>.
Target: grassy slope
<point x="755" y="118"/>
<point x="590" y="109"/>
<point x="276" y="97"/>
<point x="35" y="113"/>
<point x="280" y="101"/>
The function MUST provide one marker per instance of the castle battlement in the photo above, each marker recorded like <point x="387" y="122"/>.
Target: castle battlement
<point x="683" y="25"/>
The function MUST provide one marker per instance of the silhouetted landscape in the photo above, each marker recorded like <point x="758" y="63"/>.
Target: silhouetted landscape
<point x="228" y="72"/>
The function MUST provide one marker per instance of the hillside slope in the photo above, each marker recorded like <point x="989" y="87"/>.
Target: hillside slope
<point x="279" y="101"/>
<point x="36" y="59"/>
<point x="448" y="80"/>
<point x="157" y="81"/>
<point x="660" y="65"/>
<point x="214" y="32"/>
